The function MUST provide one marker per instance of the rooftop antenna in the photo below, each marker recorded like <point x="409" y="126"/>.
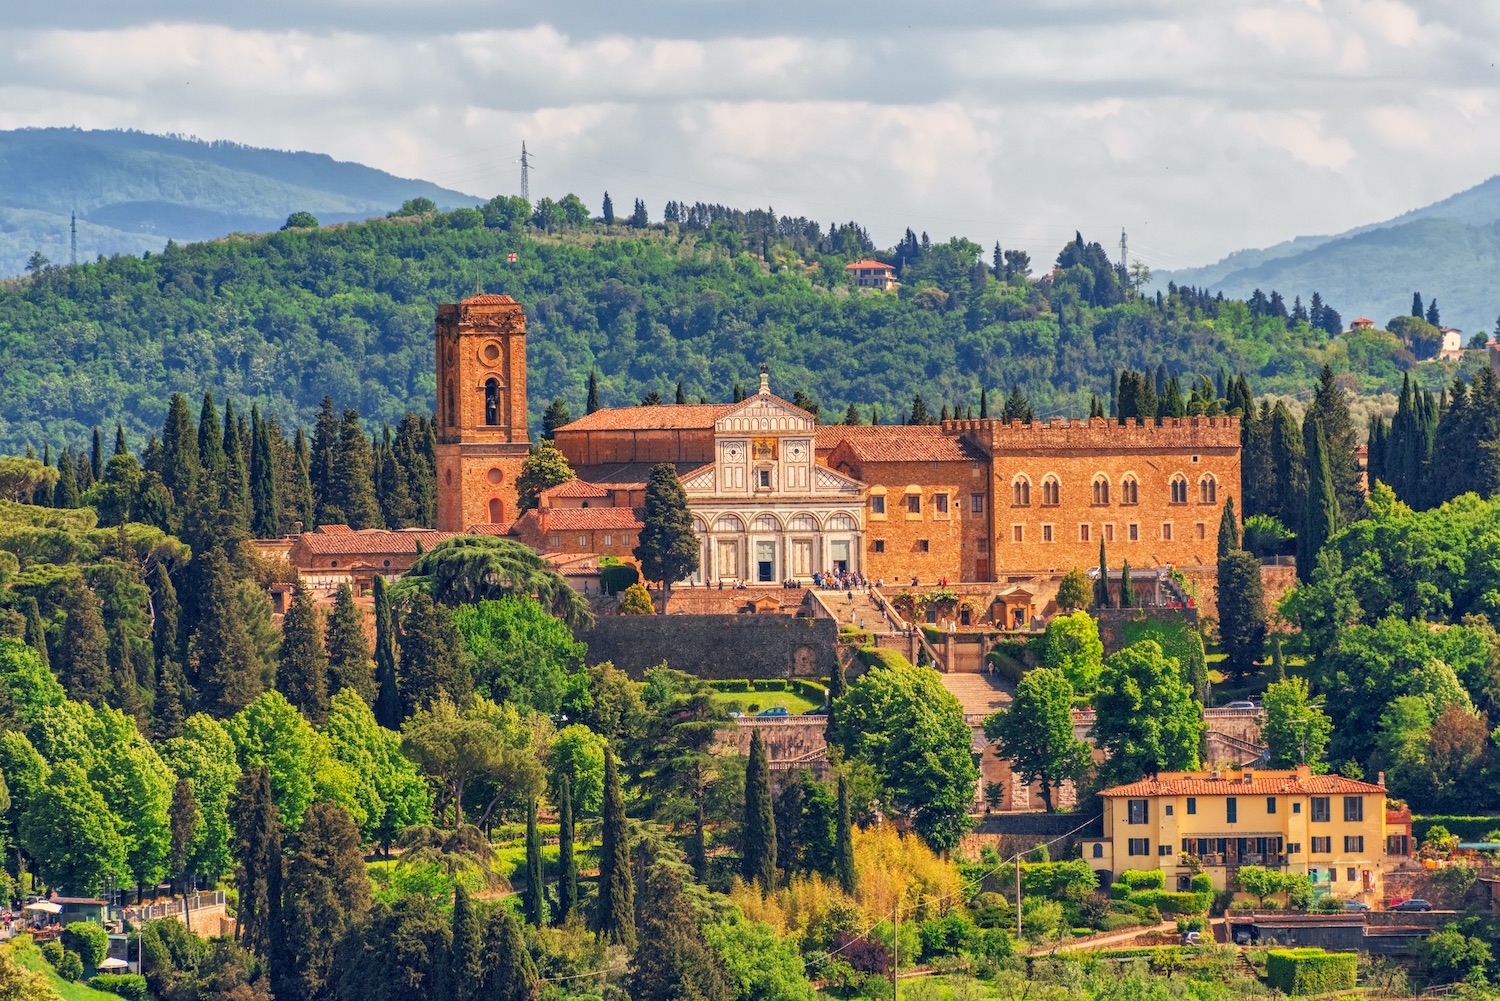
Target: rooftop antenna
<point x="1124" y="263"/>
<point x="525" y="169"/>
<point x="73" y="233"/>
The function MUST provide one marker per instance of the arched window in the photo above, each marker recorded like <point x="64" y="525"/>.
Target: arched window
<point x="1101" y="489"/>
<point x="1179" y="489"/>
<point x="765" y="523"/>
<point x="728" y="523"/>
<point x="1021" y="486"/>
<point x="1208" y="490"/>
<point x="1130" y="490"/>
<point x="804" y="523"/>
<point x="840" y="523"/>
<point x="497" y="511"/>
<point x="1051" y="491"/>
<point x="492" y="402"/>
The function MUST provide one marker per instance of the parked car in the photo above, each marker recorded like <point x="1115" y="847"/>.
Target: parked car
<point x="1191" y="938"/>
<point x="820" y="711"/>
<point x="1356" y="905"/>
<point x="774" y="711"/>
<point x="1414" y="904"/>
<point x="1240" y="704"/>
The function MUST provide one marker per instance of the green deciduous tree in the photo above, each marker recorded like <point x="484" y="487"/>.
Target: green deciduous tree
<point x="270" y="733"/>
<point x="204" y="755"/>
<point x="1072" y="646"/>
<point x="69" y="832"/>
<point x="1074" y="592"/>
<point x="544" y="467"/>
<point x="1036" y="733"/>
<point x="521" y="654"/>
<point x="1296" y="729"/>
<point x="1146" y="718"/>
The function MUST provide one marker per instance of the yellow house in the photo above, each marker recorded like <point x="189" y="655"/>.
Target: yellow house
<point x="1325" y="826"/>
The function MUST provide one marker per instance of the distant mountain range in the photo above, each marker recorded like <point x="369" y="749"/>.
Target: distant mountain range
<point x="1449" y="250"/>
<point x="133" y="191"/>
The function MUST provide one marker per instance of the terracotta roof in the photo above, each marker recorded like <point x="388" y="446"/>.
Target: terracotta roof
<point x="576" y="488"/>
<point x="588" y="519"/>
<point x="630" y="475"/>
<point x="665" y="416"/>
<point x="897" y="443"/>
<point x="1262" y="783"/>
<point x="489" y="528"/>
<point x="372" y="540"/>
<point x="868" y="264"/>
<point x="488" y="299"/>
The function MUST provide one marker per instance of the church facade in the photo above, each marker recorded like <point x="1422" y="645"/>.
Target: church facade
<point x="776" y="497"/>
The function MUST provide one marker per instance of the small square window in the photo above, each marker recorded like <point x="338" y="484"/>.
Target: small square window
<point x="922" y="546"/>
<point x="765" y="478"/>
<point x="1296" y="807"/>
<point x="1046" y="533"/>
<point x="1134" y="535"/>
<point x="1109" y="533"/>
<point x="913" y="503"/>
<point x="1017" y="533"/>
<point x="1167" y="810"/>
<point x="983" y="545"/>
<point x="1083" y="533"/>
<point x="941" y="503"/>
<point x="1270" y="804"/>
<point x="1202" y="531"/>
<point x="976" y="503"/>
<point x="879" y="545"/>
<point x="1166" y="531"/>
<point x="877" y="504"/>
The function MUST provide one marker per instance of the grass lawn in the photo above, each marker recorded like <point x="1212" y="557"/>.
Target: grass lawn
<point x="1173" y="637"/>
<point x="28" y="955"/>
<point x="794" y="703"/>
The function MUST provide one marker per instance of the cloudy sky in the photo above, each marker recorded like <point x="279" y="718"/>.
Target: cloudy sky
<point x="1201" y="126"/>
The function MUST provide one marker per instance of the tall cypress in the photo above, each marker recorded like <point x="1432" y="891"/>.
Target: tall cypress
<point x="179" y="449"/>
<point x="168" y="707"/>
<point x="387" y="690"/>
<point x="1320" y="511"/>
<point x="1330" y="405"/>
<point x="509" y="973"/>
<point x="265" y="483"/>
<point x="396" y="506"/>
<point x="838" y="687"/>
<point x="125" y="692"/>
<point x="614" y="908"/>
<point x="210" y="442"/>
<point x="758" y="828"/>
<point x="429" y="665"/>
<point x="82" y="653"/>
<point x="567" y="864"/>
<point x="302" y="497"/>
<point x="466" y="956"/>
<point x="536" y="886"/>
<point x="121" y="448"/>
<point x="303" y="674"/>
<point x="66" y="493"/>
<point x="351" y="488"/>
<point x="96" y="457"/>
<point x="1127" y="590"/>
<point x="1229" y="530"/>
<point x="234" y="495"/>
<point x="228" y="667"/>
<point x="36" y="633"/>
<point x="349" y="663"/>
<point x="843" y="841"/>
<point x="1288" y="459"/>
<point x="1101" y="587"/>
<point x="257" y="852"/>
<point x="593" y="398"/>
<point x="320" y="461"/>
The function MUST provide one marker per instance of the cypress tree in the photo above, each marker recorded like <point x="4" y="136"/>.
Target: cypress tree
<point x="1320" y="513"/>
<point x="66" y="493"/>
<point x="96" y="457"/>
<point x="673" y="962"/>
<point x="509" y="974"/>
<point x="1242" y="611"/>
<point x="1229" y="530"/>
<point x="838" y="687"/>
<point x="210" y="442"/>
<point x="388" y="693"/>
<point x="758" y="827"/>
<point x="82" y="652"/>
<point x="667" y="546"/>
<point x="843" y="842"/>
<point x="429" y="663"/>
<point x="614" y="909"/>
<point x="320" y="462"/>
<point x="1278" y="665"/>
<point x="1288" y="460"/>
<point x="1101" y="587"/>
<point x="1127" y="592"/>
<point x="183" y="819"/>
<point x="536" y="886"/>
<point x="349" y="663"/>
<point x="121" y="448"/>
<point x="789" y="806"/>
<point x="851" y="416"/>
<point x="351" y="488"/>
<point x="1416" y="305"/>
<point x="593" y="399"/>
<point x="1330" y="405"/>
<point x="326" y="894"/>
<point x="466" y="958"/>
<point x="984" y="403"/>
<point x="36" y="633"/>
<point x="179" y="451"/>
<point x="265" y="485"/>
<point x="228" y="668"/>
<point x="257" y="851"/>
<point x="168" y="709"/>
<point x="125" y="692"/>
<point x="303" y="674"/>
<point x="302" y="497"/>
<point x="567" y="865"/>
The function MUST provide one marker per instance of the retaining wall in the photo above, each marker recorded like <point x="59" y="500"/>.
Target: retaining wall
<point x="716" y="646"/>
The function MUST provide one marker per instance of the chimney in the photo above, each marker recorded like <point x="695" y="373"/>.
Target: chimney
<point x="1380" y="779"/>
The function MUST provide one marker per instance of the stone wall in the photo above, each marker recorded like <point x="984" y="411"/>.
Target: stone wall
<point x="716" y="646"/>
<point x="1276" y="580"/>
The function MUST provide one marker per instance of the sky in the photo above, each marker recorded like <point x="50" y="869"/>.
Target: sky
<point x="1198" y="127"/>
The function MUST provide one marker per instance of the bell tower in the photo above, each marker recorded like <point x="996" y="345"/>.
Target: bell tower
<point x="481" y="411"/>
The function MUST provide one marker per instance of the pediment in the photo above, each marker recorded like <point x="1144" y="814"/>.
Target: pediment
<point x="825" y="479"/>
<point x="766" y="414"/>
<point x="701" y="481"/>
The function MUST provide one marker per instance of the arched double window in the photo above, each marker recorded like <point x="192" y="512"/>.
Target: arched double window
<point x="729" y="523"/>
<point x="1101" y="489"/>
<point x="1179" y="489"/>
<point x="804" y="523"/>
<point x="840" y="523"/>
<point x="1021" y="488"/>
<point x="766" y="523"/>
<point x="492" y="402"/>
<point x="1130" y="490"/>
<point x="1208" y="490"/>
<point x="1051" y="491"/>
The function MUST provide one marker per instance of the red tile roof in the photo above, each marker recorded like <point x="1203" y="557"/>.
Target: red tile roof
<point x="867" y="264"/>
<point x="489" y="528"/>
<point x="897" y="443"/>
<point x="588" y="519"/>
<point x="576" y="488"/>
<point x="630" y="475"/>
<point x="487" y="299"/>
<point x="1264" y="783"/>
<point x="665" y="416"/>
<point x="371" y="540"/>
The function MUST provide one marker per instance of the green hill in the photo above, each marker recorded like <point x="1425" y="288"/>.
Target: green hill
<point x="133" y="191"/>
<point x="286" y="318"/>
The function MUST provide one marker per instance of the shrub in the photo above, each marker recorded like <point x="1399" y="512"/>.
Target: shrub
<point x="1144" y="879"/>
<point x="52" y="952"/>
<point x="71" y="967"/>
<point x="1310" y="971"/>
<point x="131" y="986"/>
<point x="89" y="940"/>
<point x="991" y="910"/>
<point x="1203" y="883"/>
<point x="872" y="656"/>
<point x="1168" y="902"/>
<point x="615" y="579"/>
<point x="637" y="601"/>
<point x="1328" y="904"/>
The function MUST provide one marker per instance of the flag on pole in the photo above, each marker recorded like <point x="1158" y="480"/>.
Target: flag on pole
<point x="511" y="258"/>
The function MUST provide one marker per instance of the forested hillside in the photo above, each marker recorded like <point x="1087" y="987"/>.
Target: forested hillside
<point x="284" y="319"/>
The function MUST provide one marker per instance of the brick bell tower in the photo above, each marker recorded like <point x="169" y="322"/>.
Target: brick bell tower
<point x="481" y="413"/>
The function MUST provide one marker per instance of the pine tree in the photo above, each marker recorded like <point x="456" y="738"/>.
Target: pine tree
<point x="673" y="962"/>
<point x="466" y="958"/>
<point x="592" y="404"/>
<point x="429" y="667"/>
<point x="349" y="663"/>
<point x="536" y="886"/>
<point x="125" y="692"/>
<point x="1101" y="587"/>
<point x="1127" y="591"/>
<point x="82" y="652"/>
<point x="1229" y="530"/>
<point x="614" y="908"/>
<point x="257" y="851"/>
<point x="35" y="635"/>
<point x="843" y="843"/>
<point x="227" y="667"/>
<point x="567" y="864"/>
<point x="557" y="415"/>
<point x="758" y="828"/>
<point x="265" y="487"/>
<point x="919" y="414"/>
<point x="1320" y="513"/>
<point x="387" y="691"/>
<point x="303" y="674"/>
<point x="851" y="416"/>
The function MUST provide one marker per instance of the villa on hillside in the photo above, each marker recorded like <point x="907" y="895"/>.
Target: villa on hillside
<point x="872" y="274"/>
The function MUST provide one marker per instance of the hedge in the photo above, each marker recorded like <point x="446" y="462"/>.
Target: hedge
<point x="131" y="986"/>
<point x="1144" y="879"/>
<point x="1168" y="902"/>
<point x="1467" y="828"/>
<point x="810" y="690"/>
<point x="1310" y="971"/>
<point x="874" y="656"/>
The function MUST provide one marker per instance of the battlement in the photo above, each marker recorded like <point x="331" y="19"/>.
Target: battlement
<point x="1100" y="433"/>
<point x="485" y="311"/>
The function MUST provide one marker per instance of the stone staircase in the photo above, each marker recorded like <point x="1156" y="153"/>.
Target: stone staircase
<point x="980" y="694"/>
<point x="860" y="611"/>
